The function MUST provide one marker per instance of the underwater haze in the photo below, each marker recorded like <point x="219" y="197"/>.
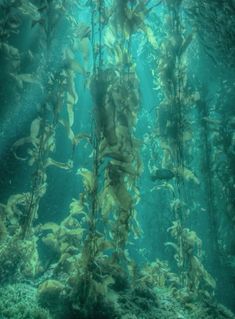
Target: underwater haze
<point x="117" y="156"/>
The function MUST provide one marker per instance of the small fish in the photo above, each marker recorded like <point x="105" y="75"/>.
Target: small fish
<point x="162" y="173"/>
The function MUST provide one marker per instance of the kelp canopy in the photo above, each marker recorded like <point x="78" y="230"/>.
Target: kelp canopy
<point x="117" y="137"/>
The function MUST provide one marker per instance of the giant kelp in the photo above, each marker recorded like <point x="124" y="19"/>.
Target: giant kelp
<point x="207" y="19"/>
<point x="82" y="261"/>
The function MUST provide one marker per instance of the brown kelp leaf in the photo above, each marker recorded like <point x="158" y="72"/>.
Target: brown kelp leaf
<point x="175" y="229"/>
<point x="69" y="130"/>
<point x="72" y="67"/>
<point x="106" y="202"/>
<point x="53" y="227"/>
<point x="186" y="43"/>
<point x="42" y="190"/>
<point x="84" y="48"/>
<point x="22" y="141"/>
<point x="70" y="106"/>
<point x="199" y="270"/>
<point x="11" y="55"/>
<point x="65" y="166"/>
<point x="151" y="37"/>
<point x="75" y="66"/>
<point x="70" y="222"/>
<point x="24" y="78"/>
<point x="114" y="153"/>
<point x="35" y="128"/>
<point x="33" y="155"/>
<point x="10" y="50"/>
<point x="164" y="185"/>
<point x="109" y="37"/>
<point x="72" y="98"/>
<point x="76" y="207"/>
<point x="125" y="167"/>
<point x="71" y="62"/>
<point x="11" y="211"/>
<point x="78" y="232"/>
<point x="82" y="30"/>
<point x="186" y="174"/>
<point x="136" y="228"/>
<point x="103" y="244"/>
<point x="27" y="8"/>
<point x="49" y="142"/>
<point x="88" y="178"/>
<point x="80" y="136"/>
<point x="63" y="247"/>
<point x="118" y="54"/>
<point x="122" y="196"/>
<point x="51" y="241"/>
<point x="173" y="245"/>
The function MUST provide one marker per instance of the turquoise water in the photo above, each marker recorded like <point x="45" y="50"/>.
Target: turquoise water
<point x="117" y="152"/>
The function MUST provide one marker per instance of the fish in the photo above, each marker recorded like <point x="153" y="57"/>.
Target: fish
<point x="162" y="174"/>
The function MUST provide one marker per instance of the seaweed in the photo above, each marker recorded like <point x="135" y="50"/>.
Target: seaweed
<point x="86" y="258"/>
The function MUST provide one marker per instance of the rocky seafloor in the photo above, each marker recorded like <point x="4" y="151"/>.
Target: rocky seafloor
<point x="22" y="301"/>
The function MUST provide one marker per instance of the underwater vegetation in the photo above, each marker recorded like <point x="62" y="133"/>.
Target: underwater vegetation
<point x="117" y="152"/>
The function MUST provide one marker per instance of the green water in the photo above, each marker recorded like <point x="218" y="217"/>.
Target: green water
<point x="117" y="153"/>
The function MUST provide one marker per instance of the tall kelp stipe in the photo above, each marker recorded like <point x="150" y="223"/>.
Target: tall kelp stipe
<point x="122" y="144"/>
<point x="217" y="117"/>
<point x="174" y="133"/>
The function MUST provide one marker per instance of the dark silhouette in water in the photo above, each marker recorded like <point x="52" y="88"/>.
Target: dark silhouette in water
<point x="162" y="173"/>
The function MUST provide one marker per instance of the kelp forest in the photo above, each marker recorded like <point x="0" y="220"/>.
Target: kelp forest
<point x="117" y="156"/>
